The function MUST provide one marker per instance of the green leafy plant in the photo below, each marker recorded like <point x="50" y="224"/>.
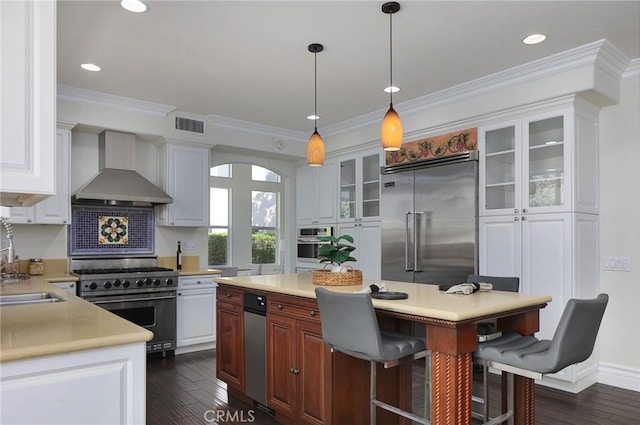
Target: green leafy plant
<point x="335" y="252"/>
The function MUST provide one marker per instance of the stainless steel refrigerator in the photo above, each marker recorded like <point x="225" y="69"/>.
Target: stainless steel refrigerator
<point x="429" y="212"/>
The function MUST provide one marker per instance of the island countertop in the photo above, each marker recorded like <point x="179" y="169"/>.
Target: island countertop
<point x="36" y="330"/>
<point x="424" y="300"/>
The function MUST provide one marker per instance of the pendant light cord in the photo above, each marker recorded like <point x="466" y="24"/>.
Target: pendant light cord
<point x="315" y="91"/>
<point x="391" y="58"/>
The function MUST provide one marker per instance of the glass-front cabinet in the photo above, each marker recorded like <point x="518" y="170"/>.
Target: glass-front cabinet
<point x="360" y="188"/>
<point x="523" y="163"/>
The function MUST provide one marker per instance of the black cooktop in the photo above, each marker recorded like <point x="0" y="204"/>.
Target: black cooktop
<point x="122" y="270"/>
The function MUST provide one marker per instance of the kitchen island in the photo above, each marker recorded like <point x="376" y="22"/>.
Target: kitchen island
<point x="306" y="383"/>
<point x="78" y="362"/>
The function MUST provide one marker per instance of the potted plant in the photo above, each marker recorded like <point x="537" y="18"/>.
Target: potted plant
<point x="335" y="252"/>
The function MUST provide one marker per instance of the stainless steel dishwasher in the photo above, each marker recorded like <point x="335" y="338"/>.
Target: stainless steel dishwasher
<point x="255" y="346"/>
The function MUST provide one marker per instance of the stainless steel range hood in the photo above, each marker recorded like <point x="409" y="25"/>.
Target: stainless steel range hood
<point x="117" y="182"/>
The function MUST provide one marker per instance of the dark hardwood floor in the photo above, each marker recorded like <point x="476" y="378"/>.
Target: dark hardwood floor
<point x="183" y="390"/>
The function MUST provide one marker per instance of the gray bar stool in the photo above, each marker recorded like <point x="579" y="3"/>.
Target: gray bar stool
<point x="488" y="331"/>
<point x="350" y="326"/>
<point x="527" y="356"/>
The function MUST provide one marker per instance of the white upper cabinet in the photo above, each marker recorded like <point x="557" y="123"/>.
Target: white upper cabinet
<point x="316" y="194"/>
<point x="184" y="175"/>
<point x="28" y="101"/>
<point x="56" y="209"/>
<point x="359" y="188"/>
<point x="545" y="162"/>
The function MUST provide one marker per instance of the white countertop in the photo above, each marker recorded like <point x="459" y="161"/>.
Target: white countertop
<point x="424" y="300"/>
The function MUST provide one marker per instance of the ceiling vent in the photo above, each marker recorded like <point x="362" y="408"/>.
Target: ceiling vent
<point x="188" y="124"/>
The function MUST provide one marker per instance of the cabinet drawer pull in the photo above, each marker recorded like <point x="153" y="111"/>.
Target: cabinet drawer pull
<point x="312" y="313"/>
<point x="279" y="306"/>
<point x="228" y="295"/>
<point x="516" y="218"/>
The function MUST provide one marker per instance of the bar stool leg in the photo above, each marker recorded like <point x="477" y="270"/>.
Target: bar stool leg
<point x="485" y="392"/>
<point x="372" y="393"/>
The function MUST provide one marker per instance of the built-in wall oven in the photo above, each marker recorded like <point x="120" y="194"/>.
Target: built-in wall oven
<point x="308" y="244"/>
<point x="135" y="289"/>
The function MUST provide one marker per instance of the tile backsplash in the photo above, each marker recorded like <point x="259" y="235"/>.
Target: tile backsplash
<point x="87" y="236"/>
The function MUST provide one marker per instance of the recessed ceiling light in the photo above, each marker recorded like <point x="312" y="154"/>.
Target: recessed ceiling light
<point x="313" y="117"/>
<point x="90" y="67"/>
<point x="534" y="39"/>
<point x="391" y="89"/>
<point x="135" y="6"/>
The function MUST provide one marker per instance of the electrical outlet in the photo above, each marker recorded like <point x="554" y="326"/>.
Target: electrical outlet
<point x="190" y="245"/>
<point x="616" y="264"/>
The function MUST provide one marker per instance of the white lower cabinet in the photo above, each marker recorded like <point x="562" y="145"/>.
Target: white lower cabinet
<point x="99" y="386"/>
<point x="553" y="254"/>
<point x="367" y="239"/>
<point x="196" y="314"/>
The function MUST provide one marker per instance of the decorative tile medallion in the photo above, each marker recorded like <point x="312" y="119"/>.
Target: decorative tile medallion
<point x="435" y="147"/>
<point x="113" y="230"/>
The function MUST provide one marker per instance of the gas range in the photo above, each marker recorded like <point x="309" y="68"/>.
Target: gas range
<point x="120" y="276"/>
<point x="134" y="288"/>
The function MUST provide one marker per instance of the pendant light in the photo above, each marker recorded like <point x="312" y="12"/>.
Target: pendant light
<point x="391" y="129"/>
<point x="315" y="146"/>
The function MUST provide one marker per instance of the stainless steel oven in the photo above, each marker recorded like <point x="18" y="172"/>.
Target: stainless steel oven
<point x="308" y="244"/>
<point x="135" y="289"/>
<point x="154" y="311"/>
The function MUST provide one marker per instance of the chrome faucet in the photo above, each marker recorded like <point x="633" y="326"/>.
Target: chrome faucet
<point x="9" y="231"/>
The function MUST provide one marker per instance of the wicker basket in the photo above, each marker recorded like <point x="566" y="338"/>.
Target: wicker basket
<point x="349" y="277"/>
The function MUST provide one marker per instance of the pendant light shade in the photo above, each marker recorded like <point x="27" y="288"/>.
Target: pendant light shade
<point x="315" y="150"/>
<point x="315" y="146"/>
<point x="391" y="129"/>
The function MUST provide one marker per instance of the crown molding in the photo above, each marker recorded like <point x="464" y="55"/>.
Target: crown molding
<point x="600" y="53"/>
<point x="89" y="97"/>
<point x="257" y="128"/>
<point x="633" y="70"/>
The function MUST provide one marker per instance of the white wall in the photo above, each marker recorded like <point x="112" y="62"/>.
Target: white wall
<point x="620" y="236"/>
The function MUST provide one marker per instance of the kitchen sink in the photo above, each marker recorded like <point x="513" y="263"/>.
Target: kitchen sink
<point x="35" y="298"/>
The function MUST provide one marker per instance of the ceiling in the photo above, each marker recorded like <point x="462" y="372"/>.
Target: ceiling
<point x="248" y="60"/>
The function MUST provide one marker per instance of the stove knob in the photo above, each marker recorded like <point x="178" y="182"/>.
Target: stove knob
<point x="169" y="282"/>
<point x="107" y="284"/>
<point x="93" y="285"/>
<point x="117" y="283"/>
<point x="139" y="282"/>
<point x="156" y="282"/>
<point x="147" y="281"/>
<point x="126" y="284"/>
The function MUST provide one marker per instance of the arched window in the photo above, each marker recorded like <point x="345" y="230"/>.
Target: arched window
<point x="245" y="215"/>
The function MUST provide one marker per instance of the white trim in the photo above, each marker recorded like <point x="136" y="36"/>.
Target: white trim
<point x="89" y="97"/>
<point x="600" y="53"/>
<point x="633" y="70"/>
<point x="256" y="128"/>
<point x="619" y="376"/>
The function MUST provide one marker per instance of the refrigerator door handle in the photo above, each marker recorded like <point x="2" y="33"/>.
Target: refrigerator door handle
<point x="416" y="240"/>
<point x="407" y="236"/>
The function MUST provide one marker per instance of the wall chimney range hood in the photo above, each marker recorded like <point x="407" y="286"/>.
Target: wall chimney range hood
<point x="117" y="182"/>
